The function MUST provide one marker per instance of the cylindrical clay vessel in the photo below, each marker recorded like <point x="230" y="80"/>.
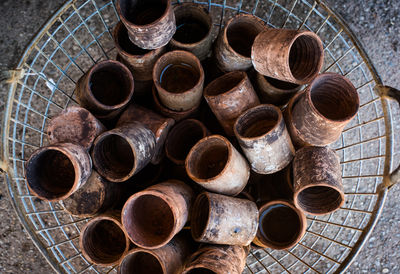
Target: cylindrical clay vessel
<point x="263" y="137"/>
<point x="324" y="109"/>
<point x="120" y="153"/>
<point x="220" y="219"/>
<point x="55" y="172"/>
<point x="217" y="259"/>
<point x="169" y="259"/>
<point x="105" y="89"/>
<point x="179" y="77"/>
<point x="229" y="96"/>
<point x="317" y="179"/>
<point x="158" y="124"/>
<point x="193" y="31"/>
<point x="152" y="217"/>
<point x="294" y="56"/>
<point x="103" y="240"/>
<point x="139" y="61"/>
<point x="216" y="165"/>
<point x="74" y="125"/>
<point x="233" y="46"/>
<point x="150" y="23"/>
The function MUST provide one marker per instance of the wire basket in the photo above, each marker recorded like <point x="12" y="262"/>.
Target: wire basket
<point x="79" y="35"/>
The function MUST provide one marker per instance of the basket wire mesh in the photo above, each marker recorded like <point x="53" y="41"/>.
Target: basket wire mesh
<point x="79" y="35"/>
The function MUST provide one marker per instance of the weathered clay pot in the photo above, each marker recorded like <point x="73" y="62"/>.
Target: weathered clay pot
<point x="179" y="77"/>
<point x="229" y="96"/>
<point x="182" y="137"/>
<point x="217" y="166"/>
<point x="220" y="219"/>
<point x="233" y="46"/>
<point x="103" y="240"/>
<point x="74" y="125"/>
<point x="274" y="91"/>
<point x="169" y="259"/>
<point x="317" y="179"/>
<point x="139" y="61"/>
<point x="152" y="217"/>
<point x="324" y="109"/>
<point x="193" y="31"/>
<point x="159" y="125"/>
<point x="150" y="23"/>
<point x="217" y="259"/>
<point x="56" y="171"/>
<point x="294" y="56"/>
<point x="281" y="225"/>
<point x="96" y="196"/>
<point x="105" y="89"/>
<point x="120" y="153"/>
<point x="264" y="139"/>
<point x="176" y="115"/>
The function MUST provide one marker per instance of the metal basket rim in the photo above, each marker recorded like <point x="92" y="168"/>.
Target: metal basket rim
<point x="381" y="193"/>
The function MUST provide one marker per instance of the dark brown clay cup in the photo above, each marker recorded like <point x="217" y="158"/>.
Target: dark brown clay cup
<point x="294" y="56"/>
<point x="179" y="77"/>
<point x="264" y="139"/>
<point x="105" y="89"/>
<point x="233" y="46"/>
<point x="139" y="61"/>
<point x="328" y="104"/>
<point x="55" y="172"/>
<point x="215" y="164"/>
<point x="152" y="217"/>
<point x="74" y="125"/>
<point x="281" y="225"/>
<point x="317" y="179"/>
<point x="193" y="31"/>
<point x="220" y="219"/>
<point x="274" y="91"/>
<point x="229" y="96"/>
<point x="150" y="23"/>
<point x="182" y="137"/>
<point x="103" y="240"/>
<point x="120" y="153"/>
<point x="169" y="259"/>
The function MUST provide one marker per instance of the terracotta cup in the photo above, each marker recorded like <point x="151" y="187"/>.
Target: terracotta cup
<point x="193" y="31"/>
<point x="150" y="23"/>
<point x="294" y="56"/>
<point x="212" y="259"/>
<point x="105" y="89"/>
<point x="229" y="96"/>
<point x="233" y="46"/>
<point x="169" y="259"/>
<point x="103" y="240"/>
<point x="74" y="125"/>
<point x="158" y="124"/>
<point x="274" y="91"/>
<point x="216" y="165"/>
<point x="96" y="196"/>
<point x="120" y="153"/>
<point x="139" y="61"/>
<point x="179" y="77"/>
<point x="317" y="179"/>
<point x="56" y="171"/>
<point x="220" y="219"/>
<point x="264" y="139"/>
<point x="182" y="137"/>
<point x="152" y="217"/>
<point x="320" y="114"/>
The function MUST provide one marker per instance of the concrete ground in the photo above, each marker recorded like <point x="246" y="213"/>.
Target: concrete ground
<point x="376" y="24"/>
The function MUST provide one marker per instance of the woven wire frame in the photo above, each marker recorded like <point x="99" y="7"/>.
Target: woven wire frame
<point x="78" y="36"/>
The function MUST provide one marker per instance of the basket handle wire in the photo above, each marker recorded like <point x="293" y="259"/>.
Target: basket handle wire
<point x="390" y="93"/>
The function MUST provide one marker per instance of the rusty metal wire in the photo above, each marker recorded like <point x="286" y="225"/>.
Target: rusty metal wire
<point x="78" y="36"/>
